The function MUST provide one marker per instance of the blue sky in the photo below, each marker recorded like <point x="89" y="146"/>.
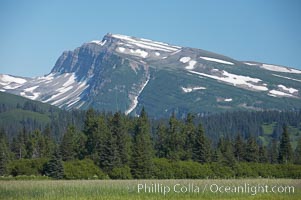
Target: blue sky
<point x="34" y="33"/>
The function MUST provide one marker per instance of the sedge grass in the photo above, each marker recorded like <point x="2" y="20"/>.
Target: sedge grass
<point x="127" y="189"/>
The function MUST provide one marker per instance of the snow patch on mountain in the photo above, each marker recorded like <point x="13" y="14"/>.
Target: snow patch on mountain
<point x="134" y="52"/>
<point x="80" y="105"/>
<point x="147" y="44"/>
<point x="175" y="52"/>
<point x="48" y="77"/>
<point x="290" y="90"/>
<point x="236" y="80"/>
<point x="7" y="79"/>
<point x="99" y="42"/>
<point x="8" y="82"/>
<point x="121" y="49"/>
<point x="286" y="77"/>
<point x="277" y="93"/>
<point x="53" y="88"/>
<point x="250" y="64"/>
<point x="31" y="89"/>
<point x="32" y="95"/>
<point x="139" y="52"/>
<point x="72" y="102"/>
<point x="73" y="95"/>
<point x="191" y="63"/>
<point x="276" y="68"/>
<point x="135" y="99"/>
<point x="217" y="60"/>
<point x="12" y="86"/>
<point x="70" y="81"/>
<point x="185" y="59"/>
<point x="191" y="89"/>
<point x="64" y="89"/>
<point x="29" y="93"/>
<point x="157" y="42"/>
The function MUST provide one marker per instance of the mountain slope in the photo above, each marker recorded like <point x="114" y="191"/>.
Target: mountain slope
<point x="125" y="73"/>
<point x="19" y="114"/>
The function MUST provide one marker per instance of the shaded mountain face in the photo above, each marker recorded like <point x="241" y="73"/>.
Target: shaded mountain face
<point x="125" y="73"/>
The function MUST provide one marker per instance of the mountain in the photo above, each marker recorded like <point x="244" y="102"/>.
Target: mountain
<point x="125" y="73"/>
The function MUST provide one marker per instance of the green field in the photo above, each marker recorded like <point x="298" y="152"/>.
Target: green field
<point x="128" y="189"/>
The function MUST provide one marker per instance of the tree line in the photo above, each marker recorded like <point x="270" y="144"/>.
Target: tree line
<point x="135" y="147"/>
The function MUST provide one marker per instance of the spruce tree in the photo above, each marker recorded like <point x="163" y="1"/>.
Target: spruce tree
<point x="80" y="145"/>
<point x="217" y="156"/>
<point x="49" y="142"/>
<point x="4" y="157"/>
<point x="109" y="156"/>
<point x="190" y="133"/>
<point x="90" y="130"/>
<point x="161" y="141"/>
<point x="176" y="139"/>
<point x="226" y="150"/>
<point x="142" y="155"/>
<point x="262" y="154"/>
<point x="239" y="148"/>
<point x="3" y="161"/>
<point x="201" y="149"/>
<point x="228" y="156"/>
<point x="95" y="137"/>
<point x="297" y="153"/>
<point x="36" y="147"/>
<point x="25" y="139"/>
<point x="68" y="143"/>
<point x="251" y="150"/>
<point x="54" y="167"/>
<point x="285" y="148"/>
<point x="73" y="144"/>
<point x="123" y="141"/>
<point x="4" y="153"/>
<point x="19" y="146"/>
<point x="273" y="152"/>
<point x="222" y="145"/>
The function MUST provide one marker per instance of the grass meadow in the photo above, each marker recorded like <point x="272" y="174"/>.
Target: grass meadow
<point x="128" y="189"/>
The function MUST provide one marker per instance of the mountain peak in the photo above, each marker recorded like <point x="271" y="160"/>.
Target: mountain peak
<point x="147" y="44"/>
<point x="125" y="73"/>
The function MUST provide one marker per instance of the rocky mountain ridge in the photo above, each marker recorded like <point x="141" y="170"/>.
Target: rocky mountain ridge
<point x="125" y="73"/>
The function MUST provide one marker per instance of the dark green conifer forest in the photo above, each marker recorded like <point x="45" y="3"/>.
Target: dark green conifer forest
<point x="116" y="146"/>
<point x="40" y="140"/>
